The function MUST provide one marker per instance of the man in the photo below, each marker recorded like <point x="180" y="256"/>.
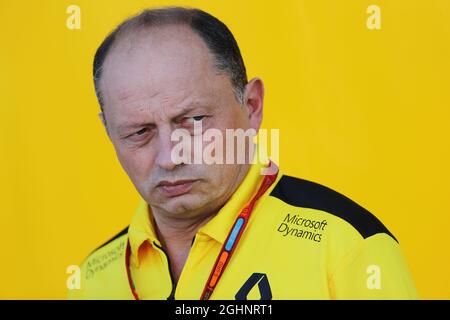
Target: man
<point x="218" y="231"/>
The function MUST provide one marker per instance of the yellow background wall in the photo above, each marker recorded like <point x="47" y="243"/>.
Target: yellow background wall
<point x="365" y="112"/>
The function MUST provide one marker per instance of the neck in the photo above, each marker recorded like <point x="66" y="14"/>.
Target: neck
<point x="179" y="232"/>
<point x="176" y="237"/>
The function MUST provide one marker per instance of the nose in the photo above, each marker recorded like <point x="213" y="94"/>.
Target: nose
<point x="164" y="152"/>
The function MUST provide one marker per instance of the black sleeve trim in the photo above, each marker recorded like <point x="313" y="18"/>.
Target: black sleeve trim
<point x="121" y="233"/>
<point x="307" y="194"/>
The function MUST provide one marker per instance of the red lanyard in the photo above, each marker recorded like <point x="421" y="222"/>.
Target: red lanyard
<point x="229" y="245"/>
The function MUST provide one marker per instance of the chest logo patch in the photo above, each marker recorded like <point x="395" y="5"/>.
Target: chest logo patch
<point x="259" y="279"/>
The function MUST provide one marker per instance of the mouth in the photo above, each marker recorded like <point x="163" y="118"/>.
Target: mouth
<point x="175" y="188"/>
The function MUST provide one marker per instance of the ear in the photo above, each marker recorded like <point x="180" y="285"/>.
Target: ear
<point x="253" y="102"/>
<point x="101" y="115"/>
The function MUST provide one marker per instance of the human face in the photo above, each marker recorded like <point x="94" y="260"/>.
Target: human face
<point x="155" y="81"/>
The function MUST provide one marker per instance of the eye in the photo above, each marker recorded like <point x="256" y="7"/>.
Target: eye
<point x="141" y="132"/>
<point x="191" y="120"/>
<point x="138" y="135"/>
<point x="198" y="118"/>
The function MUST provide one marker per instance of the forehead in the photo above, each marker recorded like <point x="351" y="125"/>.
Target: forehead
<point x="169" y="61"/>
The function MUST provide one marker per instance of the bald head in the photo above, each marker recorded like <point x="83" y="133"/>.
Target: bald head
<point x="163" y="61"/>
<point x="217" y="38"/>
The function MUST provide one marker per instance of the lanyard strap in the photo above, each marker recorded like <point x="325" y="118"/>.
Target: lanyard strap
<point x="228" y="247"/>
<point x="234" y="236"/>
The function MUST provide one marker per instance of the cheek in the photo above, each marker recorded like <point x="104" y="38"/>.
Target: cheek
<point x="220" y="176"/>
<point x="239" y="116"/>
<point x="137" y="163"/>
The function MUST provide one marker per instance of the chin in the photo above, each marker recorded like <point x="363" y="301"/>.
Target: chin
<point x="184" y="204"/>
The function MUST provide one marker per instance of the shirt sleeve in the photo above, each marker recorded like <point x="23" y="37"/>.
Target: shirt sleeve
<point x="374" y="269"/>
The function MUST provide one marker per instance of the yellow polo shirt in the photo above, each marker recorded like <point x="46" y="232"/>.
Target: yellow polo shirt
<point x="303" y="241"/>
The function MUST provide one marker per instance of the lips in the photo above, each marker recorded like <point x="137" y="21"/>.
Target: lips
<point x="175" y="188"/>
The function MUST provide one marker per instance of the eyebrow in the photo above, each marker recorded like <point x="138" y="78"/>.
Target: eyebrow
<point x="134" y="125"/>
